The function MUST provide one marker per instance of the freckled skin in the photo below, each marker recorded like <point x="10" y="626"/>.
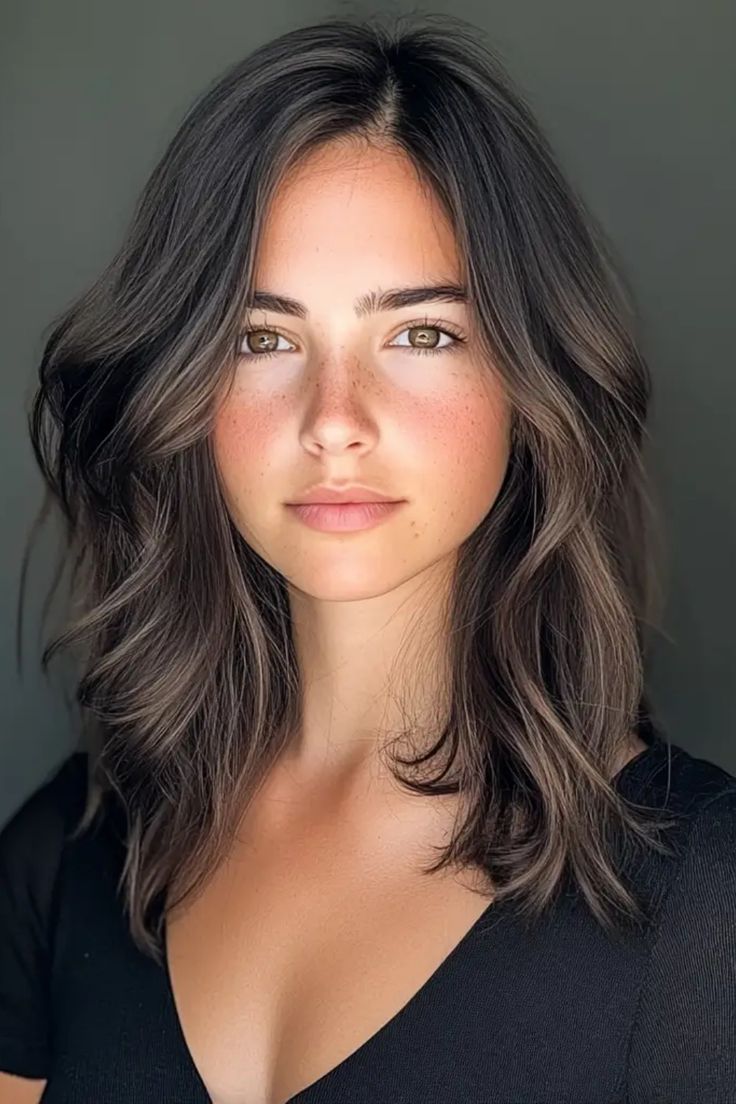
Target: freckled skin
<point x="336" y="402"/>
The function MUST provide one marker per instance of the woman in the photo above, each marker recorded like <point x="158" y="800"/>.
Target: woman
<point x="374" y="805"/>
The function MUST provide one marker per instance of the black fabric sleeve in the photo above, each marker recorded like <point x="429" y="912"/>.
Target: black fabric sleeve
<point x="31" y="847"/>
<point x="683" y="1046"/>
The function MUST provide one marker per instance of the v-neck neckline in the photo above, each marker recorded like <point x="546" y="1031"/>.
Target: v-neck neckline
<point x="629" y="781"/>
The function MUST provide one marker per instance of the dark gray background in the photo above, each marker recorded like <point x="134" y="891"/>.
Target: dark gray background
<point x="638" y="99"/>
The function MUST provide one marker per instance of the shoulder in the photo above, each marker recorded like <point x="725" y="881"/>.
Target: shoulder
<point x="51" y="808"/>
<point x="702" y="795"/>
<point x="33" y="838"/>
<point x="32" y="846"/>
<point x="704" y="888"/>
<point x="673" y="781"/>
<point x="683" y="1044"/>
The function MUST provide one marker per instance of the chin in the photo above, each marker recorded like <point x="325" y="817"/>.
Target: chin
<point x="348" y="582"/>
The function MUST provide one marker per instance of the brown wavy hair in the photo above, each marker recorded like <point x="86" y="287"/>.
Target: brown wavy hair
<point x="189" y="687"/>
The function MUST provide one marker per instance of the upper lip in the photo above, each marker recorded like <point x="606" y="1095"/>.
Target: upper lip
<point x="352" y="493"/>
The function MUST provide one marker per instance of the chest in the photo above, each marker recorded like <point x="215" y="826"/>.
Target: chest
<point x="306" y="943"/>
<point x="536" y="1014"/>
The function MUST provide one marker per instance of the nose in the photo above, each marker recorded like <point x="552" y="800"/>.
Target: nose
<point x="337" y="416"/>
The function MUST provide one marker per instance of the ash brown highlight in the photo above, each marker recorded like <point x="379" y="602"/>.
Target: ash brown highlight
<point x="189" y="687"/>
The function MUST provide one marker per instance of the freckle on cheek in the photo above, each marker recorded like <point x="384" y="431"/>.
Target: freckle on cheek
<point x="230" y="436"/>
<point x="242" y="433"/>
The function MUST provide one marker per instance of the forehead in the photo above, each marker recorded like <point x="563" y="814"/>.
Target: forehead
<point x="355" y="215"/>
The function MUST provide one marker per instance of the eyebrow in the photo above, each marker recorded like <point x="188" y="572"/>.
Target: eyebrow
<point x="370" y="303"/>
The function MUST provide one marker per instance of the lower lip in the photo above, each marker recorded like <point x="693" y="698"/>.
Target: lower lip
<point x="343" y="517"/>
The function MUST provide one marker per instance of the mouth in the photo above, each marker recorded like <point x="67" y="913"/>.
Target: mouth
<point x="342" y="517"/>
<point x="348" y="502"/>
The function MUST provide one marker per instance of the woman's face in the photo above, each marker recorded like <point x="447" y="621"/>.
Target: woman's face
<point x="351" y="397"/>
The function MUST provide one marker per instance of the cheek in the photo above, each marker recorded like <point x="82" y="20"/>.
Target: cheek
<point x="463" y="443"/>
<point x="242" y="427"/>
<point x="240" y="438"/>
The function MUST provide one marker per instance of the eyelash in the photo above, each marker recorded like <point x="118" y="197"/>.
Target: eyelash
<point x="426" y="323"/>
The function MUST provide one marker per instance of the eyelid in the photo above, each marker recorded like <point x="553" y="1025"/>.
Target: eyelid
<point x="433" y="324"/>
<point x="430" y="323"/>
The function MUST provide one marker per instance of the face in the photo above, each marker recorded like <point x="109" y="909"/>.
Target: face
<point x="399" y="400"/>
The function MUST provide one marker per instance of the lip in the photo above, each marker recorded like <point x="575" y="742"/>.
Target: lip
<point x="324" y="493"/>
<point x="343" y="517"/>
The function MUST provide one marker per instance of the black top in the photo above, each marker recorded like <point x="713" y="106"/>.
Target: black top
<point x="557" y="1014"/>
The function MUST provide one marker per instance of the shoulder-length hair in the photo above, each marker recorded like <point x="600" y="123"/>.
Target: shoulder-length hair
<point x="190" y="687"/>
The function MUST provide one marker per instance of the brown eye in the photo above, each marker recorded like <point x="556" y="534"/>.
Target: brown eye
<point x="424" y="336"/>
<point x="428" y="338"/>
<point x="258" y="344"/>
<point x="261" y="341"/>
